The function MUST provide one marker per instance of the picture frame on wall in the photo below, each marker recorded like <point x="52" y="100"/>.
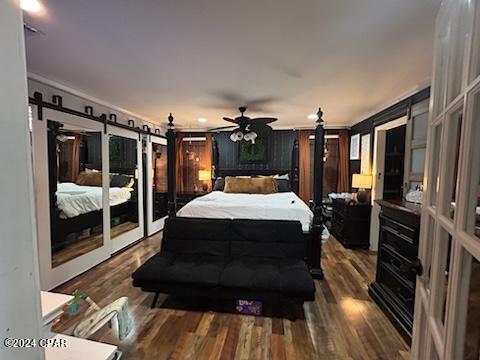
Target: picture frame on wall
<point x="365" y="167"/>
<point x="355" y="147"/>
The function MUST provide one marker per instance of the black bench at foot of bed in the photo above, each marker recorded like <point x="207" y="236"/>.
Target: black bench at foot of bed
<point x="231" y="259"/>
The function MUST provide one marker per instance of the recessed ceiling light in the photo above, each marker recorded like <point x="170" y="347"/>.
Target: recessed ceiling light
<point x="313" y="117"/>
<point x="202" y="120"/>
<point x="31" y="5"/>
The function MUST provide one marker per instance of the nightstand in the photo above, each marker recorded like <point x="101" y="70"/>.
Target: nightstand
<point x="351" y="223"/>
<point x="184" y="197"/>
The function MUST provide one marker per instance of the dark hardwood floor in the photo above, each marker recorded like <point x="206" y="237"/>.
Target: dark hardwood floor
<point x="342" y="323"/>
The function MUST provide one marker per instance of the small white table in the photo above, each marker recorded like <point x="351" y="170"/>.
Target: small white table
<point x="52" y="306"/>
<point x="80" y="349"/>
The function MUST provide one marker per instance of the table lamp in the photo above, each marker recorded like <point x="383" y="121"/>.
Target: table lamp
<point x="362" y="182"/>
<point x="204" y="175"/>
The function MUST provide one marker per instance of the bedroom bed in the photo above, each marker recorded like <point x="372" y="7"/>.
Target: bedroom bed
<point x="272" y="208"/>
<point x="277" y="206"/>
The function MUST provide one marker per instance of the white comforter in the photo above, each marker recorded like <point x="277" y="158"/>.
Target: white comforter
<point x="278" y="206"/>
<point x="74" y="200"/>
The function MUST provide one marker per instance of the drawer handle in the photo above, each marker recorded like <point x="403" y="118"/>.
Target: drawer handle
<point x="417" y="266"/>
<point x="403" y="298"/>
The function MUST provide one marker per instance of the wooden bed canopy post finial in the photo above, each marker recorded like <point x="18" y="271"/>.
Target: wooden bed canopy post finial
<point x="171" y="165"/>
<point x="317" y="230"/>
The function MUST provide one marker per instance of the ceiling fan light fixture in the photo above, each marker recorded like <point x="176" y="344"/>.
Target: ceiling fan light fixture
<point x="250" y="136"/>
<point x="313" y="117"/>
<point x="33" y="6"/>
<point x="202" y="120"/>
<point x="236" y="136"/>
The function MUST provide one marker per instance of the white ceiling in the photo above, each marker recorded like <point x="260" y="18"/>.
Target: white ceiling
<point x="205" y="58"/>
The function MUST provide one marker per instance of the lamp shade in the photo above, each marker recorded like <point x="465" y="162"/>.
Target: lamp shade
<point x="204" y="175"/>
<point x="360" y="181"/>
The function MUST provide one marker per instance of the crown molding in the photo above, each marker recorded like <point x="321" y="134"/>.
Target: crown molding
<point x="43" y="80"/>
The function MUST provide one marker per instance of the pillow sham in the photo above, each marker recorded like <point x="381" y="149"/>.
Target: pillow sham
<point x="238" y="185"/>
<point x="219" y="184"/>
<point x="89" y="178"/>
<point x="120" y="180"/>
<point x="283" y="185"/>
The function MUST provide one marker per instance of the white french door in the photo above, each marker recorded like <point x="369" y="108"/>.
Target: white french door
<point x="157" y="192"/>
<point x="447" y="304"/>
<point x="125" y="158"/>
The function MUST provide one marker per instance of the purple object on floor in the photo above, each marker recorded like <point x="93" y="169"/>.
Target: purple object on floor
<point x="248" y="307"/>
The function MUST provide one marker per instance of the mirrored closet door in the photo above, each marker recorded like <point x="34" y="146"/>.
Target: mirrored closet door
<point x="70" y="178"/>
<point x="157" y="196"/>
<point x="125" y="187"/>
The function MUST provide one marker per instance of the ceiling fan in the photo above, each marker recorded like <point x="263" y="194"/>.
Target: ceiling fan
<point x="246" y="128"/>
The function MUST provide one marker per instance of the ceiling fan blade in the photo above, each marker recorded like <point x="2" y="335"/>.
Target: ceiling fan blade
<point x="223" y="128"/>
<point x="235" y="121"/>
<point x="264" y="120"/>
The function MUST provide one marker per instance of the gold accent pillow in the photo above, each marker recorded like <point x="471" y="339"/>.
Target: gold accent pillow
<point x="89" y="178"/>
<point x="238" y="185"/>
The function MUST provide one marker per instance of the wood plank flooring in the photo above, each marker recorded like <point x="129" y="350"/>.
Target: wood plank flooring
<point x="342" y="323"/>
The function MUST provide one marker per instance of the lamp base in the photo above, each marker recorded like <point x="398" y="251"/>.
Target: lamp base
<point x="362" y="196"/>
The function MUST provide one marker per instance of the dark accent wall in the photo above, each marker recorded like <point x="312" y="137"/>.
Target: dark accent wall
<point x="280" y="145"/>
<point x="393" y="112"/>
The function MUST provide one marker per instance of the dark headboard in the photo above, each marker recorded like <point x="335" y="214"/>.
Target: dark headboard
<point x="251" y="172"/>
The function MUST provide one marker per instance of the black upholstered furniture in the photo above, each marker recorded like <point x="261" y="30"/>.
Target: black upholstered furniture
<point x="231" y="259"/>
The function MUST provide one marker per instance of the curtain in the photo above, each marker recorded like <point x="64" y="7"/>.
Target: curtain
<point x="343" y="184"/>
<point x="207" y="157"/>
<point x="305" y="175"/>
<point x="179" y="163"/>
<point x="75" y="170"/>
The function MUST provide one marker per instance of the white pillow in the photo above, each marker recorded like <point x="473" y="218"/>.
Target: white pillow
<point x="282" y="177"/>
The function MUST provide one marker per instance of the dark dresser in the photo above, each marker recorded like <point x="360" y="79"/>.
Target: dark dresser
<point x="397" y="263"/>
<point x="351" y="223"/>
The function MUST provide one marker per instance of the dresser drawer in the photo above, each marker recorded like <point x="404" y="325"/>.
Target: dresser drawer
<point x="398" y="290"/>
<point x="400" y="265"/>
<point x="398" y="228"/>
<point x="402" y="244"/>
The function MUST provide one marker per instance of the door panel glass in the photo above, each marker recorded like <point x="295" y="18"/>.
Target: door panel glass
<point x="427" y="258"/>
<point x="420" y="123"/>
<point x="159" y="181"/>
<point x="457" y="50"/>
<point x="75" y="177"/>
<point x="440" y="75"/>
<point x="475" y="66"/>
<point x="434" y="182"/>
<point x="444" y="241"/>
<point x="452" y="159"/>
<point x="123" y="185"/>
<point x="418" y="161"/>
<point x="472" y="333"/>
<point x="473" y="219"/>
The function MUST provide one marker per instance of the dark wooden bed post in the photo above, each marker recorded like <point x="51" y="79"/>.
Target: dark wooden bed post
<point x="215" y="158"/>
<point x="317" y="230"/>
<point x="171" y="164"/>
<point x="295" y="164"/>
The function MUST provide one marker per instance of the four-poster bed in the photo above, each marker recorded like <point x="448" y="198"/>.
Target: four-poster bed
<point x="312" y="237"/>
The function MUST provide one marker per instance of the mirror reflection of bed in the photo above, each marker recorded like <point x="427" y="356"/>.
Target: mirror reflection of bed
<point x="76" y="181"/>
<point x="76" y="208"/>
<point x="123" y="173"/>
